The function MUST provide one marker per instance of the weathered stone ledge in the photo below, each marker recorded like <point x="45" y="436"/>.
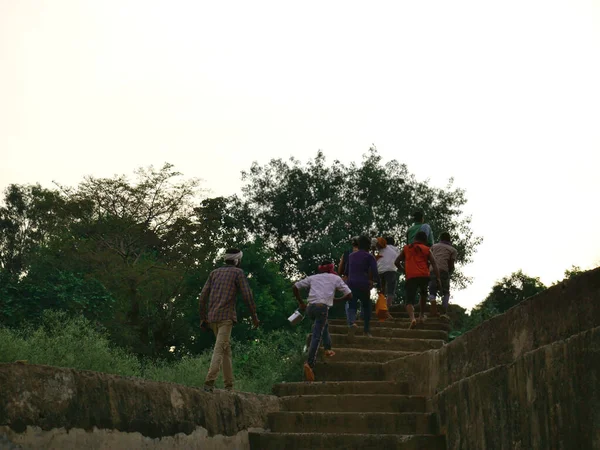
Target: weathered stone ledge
<point x="561" y="311"/>
<point x="102" y="439"/>
<point x="52" y="398"/>
<point x="547" y="398"/>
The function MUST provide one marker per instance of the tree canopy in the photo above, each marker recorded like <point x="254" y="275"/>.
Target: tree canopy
<point x="307" y="212"/>
<point x="132" y="254"/>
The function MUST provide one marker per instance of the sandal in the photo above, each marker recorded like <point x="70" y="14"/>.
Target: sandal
<point x="413" y="324"/>
<point x="329" y="353"/>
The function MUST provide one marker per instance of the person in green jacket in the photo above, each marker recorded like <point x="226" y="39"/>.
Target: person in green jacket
<point x="419" y="225"/>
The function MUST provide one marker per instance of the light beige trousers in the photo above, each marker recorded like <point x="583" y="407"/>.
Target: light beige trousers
<point x="221" y="354"/>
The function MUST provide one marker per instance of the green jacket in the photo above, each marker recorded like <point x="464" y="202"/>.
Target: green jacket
<point x="412" y="232"/>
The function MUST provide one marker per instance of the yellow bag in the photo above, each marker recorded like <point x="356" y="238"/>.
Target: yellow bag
<point x="381" y="310"/>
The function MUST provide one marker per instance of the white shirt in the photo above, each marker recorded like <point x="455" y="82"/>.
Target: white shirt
<point x="322" y="287"/>
<point x="388" y="257"/>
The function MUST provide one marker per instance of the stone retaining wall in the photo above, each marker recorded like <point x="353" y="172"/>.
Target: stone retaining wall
<point x="517" y="380"/>
<point x="50" y="407"/>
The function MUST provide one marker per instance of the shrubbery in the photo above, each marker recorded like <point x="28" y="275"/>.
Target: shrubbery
<point x="75" y="342"/>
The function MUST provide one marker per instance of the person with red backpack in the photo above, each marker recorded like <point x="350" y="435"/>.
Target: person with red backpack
<point x="416" y="258"/>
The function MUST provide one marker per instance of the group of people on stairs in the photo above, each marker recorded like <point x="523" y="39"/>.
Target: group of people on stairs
<point x="372" y="262"/>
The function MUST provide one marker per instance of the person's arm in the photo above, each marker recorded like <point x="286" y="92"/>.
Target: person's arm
<point x="436" y="269"/>
<point x="374" y="271"/>
<point x="302" y="284"/>
<point x="451" y="265"/>
<point x="400" y="259"/>
<point x="451" y="262"/>
<point x="427" y="229"/>
<point x="341" y="267"/>
<point x="244" y="287"/>
<point x="344" y="289"/>
<point x="203" y="299"/>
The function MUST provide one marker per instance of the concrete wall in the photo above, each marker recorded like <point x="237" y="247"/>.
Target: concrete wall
<point x="525" y="379"/>
<point x="55" y="408"/>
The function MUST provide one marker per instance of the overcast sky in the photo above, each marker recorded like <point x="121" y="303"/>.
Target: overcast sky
<point x="502" y="96"/>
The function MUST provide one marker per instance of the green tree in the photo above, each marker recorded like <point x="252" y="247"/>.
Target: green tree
<point x="308" y="212"/>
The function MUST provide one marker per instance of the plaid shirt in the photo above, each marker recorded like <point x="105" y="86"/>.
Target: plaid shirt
<point x="221" y="291"/>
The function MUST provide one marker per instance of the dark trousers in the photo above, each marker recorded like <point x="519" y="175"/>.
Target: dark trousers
<point x="364" y="297"/>
<point x="320" y="330"/>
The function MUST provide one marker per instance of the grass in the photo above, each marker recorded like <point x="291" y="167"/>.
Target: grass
<point x="74" y="342"/>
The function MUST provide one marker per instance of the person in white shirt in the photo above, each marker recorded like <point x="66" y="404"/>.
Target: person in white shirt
<point x="388" y="272"/>
<point x="322" y="288"/>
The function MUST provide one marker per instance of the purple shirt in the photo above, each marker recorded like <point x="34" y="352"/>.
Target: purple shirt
<point x="359" y="265"/>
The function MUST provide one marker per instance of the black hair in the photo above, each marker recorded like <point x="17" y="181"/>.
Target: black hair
<point x="421" y="237"/>
<point x="418" y="216"/>
<point x="326" y="262"/>
<point x="445" y="236"/>
<point x="355" y="242"/>
<point x="364" y="243"/>
<point x="390" y="240"/>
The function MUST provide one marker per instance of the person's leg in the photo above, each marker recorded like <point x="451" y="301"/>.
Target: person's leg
<point x="217" y="357"/>
<point x="422" y="288"/>
<point x="225" y="333"/>
<point x="351" y="307"/>
<point x="384" y="286"/>
<point x="411" y="294"/>
<point x="319" y="313"/>
<point x="327" y="339"/>
<point x="391" y="284"/>
<point x="445" y="276"/>
<point x="366" y="307"/>
<point x="433" y="287"/>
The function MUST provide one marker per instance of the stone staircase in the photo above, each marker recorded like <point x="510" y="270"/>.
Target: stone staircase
<point x="351" y="405"/>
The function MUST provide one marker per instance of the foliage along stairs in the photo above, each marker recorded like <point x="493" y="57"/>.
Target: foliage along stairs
<point x="351" y="405"/>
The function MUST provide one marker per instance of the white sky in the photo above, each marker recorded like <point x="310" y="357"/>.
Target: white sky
<point x="503" y="96"/>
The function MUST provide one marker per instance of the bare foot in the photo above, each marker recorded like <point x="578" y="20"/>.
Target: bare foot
<point x="329" y="353"/>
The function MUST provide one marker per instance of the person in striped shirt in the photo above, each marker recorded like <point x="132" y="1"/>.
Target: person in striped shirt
<point x="219" y="297"/>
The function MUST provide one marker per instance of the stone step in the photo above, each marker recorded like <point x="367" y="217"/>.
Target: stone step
<point x="430" y="324"/>
<point x="401" y="307"/>
<point x="393" y="332"/>
<point x="342" y="388"/>
<point x="356" y="403"/>
<point x="361" y="355"/>
<point x="352" y="422"/>
<point x="383" y="343"/>
<point x="313" y="441"/>
<point x="349" y="371"/>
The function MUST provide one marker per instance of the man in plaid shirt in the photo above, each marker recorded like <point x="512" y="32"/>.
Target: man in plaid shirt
<point x="220" y="292"/>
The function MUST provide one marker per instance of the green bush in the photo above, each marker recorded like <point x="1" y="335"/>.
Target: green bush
<point x="66" y="341"/>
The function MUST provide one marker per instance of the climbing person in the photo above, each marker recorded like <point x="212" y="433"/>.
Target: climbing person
<point x="219" y="297"/>
<point x="445" y="255"/>
<point x="362" y="275"/>
<point x="321" y="294"/>
<point x="343" y="272"/>
<point x="417" y="257"/>
<point x="343" y="265"/>
<point x="419" y="225"/>
<point x="386" y="267"/>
